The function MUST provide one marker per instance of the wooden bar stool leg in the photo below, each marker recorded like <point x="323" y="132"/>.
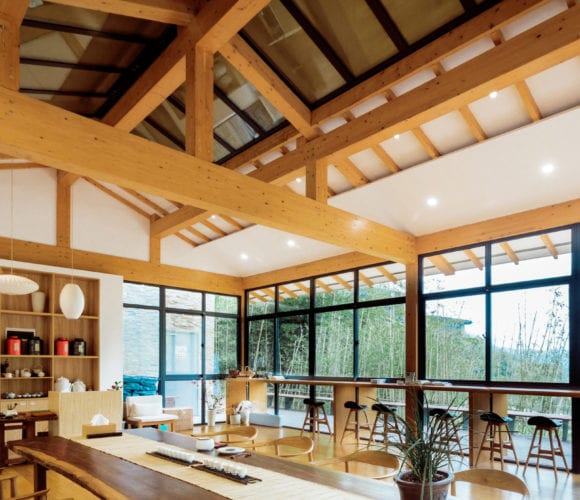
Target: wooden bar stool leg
<point x="531" y="448"/>
<point x="482" y="445"/>
<point x="561" y="450"/>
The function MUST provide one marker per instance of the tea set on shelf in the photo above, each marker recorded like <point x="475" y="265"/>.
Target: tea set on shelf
<point x="63" y="384"/>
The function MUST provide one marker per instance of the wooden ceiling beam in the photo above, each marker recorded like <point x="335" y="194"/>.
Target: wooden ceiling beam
<point x="547" y="44"/>
<point x="474" y="258"/>
<point x="386" y="159"/>
<point x="442" y="264"/>
<point x="323" y="285"/>
<point x="242" y="57"/>
<point x="63" y="210"/>
<point x="131" y="269"/>
<point x="505" y="246"/>
<point x="215" y="23"/>
<point x="471" y="31"/>
<point x="549" y="245"/>
<point x="390" y="276"/>
<point x="349" y="171"/>
<point x="63" y="140"/>
<point x="179" y="12"/>
<point x="366" y="280"/>
<point x="11" y="15"/>
<point x="317" y="181"/>
<point x="342" y="282"/>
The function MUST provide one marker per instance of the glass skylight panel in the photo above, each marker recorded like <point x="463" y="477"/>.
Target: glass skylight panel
<point x="419" y="18"/>
<point x="352" y="30"/>
<point x="287" y="46"/>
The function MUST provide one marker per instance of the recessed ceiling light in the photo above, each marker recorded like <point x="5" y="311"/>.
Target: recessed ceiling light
<point x="291" y="243"/>
<point x="244" y="256"/>
<point x="213" y="216"/>
<point x="493" y="94"/>
<point x="397" y="137"/>
<point x="432" y="201"/>
<point x="298" y="180"/>
<point x="548" y="168"/>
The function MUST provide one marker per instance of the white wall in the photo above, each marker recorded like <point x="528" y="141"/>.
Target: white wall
<point x="111" y="314"/>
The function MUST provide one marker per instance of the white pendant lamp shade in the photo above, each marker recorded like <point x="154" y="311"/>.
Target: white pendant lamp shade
<point x="72" y="301"/>
<point x="12" y="284"/>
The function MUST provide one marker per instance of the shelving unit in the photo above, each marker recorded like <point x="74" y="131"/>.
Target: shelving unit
<point x="49" y="325"/>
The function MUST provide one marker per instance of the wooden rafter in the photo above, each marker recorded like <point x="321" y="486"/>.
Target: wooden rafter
<point x="302" y="287"/>
<point x="473" y="258"/>
<point x="259" y="297"/>
<point x="386" y="158"/>
<point x="269" y="292"/>
<point x="11" y="15"/>
<point x="390" y="276"/>
<point x="427" y="144"/>
<point x="323" y="285"/>
<point x="442" y="264"/>
<point x="349" y="170"/>
<point x="529" y="101"/>
<point x="231" y="221"/>
<point x="505" y="246"/>
<point x="539" y="48"/>
<point x="212" y="227"/>
<point x="472" y="123"/>
<point x="549" y="245"/>
<point x="366" y="280"/>
<point x="346" y="285"/>
<point x="63" y="211"/>
<point x="118" y="197"/>
<point x="287" y="291"/>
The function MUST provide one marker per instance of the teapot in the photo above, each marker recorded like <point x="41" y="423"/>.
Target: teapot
<point x="78" y="386"/>
<point x="62" y="384"/>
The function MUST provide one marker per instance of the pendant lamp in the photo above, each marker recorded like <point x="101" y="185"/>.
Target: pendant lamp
<point x="71" y="298"/>
<point x="10" y="283"/>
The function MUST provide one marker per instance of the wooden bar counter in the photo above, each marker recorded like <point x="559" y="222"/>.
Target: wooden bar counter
<point x="481" y="398"/>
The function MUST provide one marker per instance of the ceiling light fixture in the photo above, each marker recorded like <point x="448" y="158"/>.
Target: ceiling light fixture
<point x="298" y="180"/>
<point x="244" y="256"/>
<point x="493" y="94"/>
<point x="291" y="243"/>
<point x="432" y="201"/>
<point x="548" y="168"/>
<point x="397" y="137"/>
<point x="12" y="284"/>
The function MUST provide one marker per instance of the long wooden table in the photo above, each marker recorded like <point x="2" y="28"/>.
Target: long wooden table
<point x="112" y="478"/>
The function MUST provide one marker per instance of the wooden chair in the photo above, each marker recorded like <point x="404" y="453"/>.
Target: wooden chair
<point x="147" y="411"/>
<point x="376" y="458"/>
<point x="491" y="478"/>
<point x="12" y="477"/>
<point x="233" y="434"/>
<point x="289" y="446"/>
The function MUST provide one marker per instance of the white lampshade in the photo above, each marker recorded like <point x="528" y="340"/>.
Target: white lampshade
<point x="12" y="284"/>
<point x="72" y="301"/>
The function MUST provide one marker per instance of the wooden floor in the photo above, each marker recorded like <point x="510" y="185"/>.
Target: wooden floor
<point x="543" y="484"/>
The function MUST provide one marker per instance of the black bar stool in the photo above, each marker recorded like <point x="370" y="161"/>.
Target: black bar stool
<point x="385" y="423"/>
<point x="315" y="416"/>
<point x="545" y="424"/>
<point x="496" y="427"/>
<point x="353" y="420"/>
<point x="447" y="430"/>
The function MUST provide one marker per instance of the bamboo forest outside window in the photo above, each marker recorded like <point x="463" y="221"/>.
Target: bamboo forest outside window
<point x="343" y="325"/>
<point x="174" y="339"/>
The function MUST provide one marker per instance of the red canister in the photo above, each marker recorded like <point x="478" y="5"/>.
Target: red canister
<point x="62" y="346"/>
<point x="13" y="345"/>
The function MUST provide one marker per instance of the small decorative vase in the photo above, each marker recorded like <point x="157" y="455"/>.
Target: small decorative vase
<point x="245" y="417"/>
<point x="211" y="417"/>
<point x="38" y="300"/>
<point x="235" y="419"/>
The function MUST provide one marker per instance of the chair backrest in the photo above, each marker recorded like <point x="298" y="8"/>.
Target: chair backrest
<point x="373" y="457"/>
<point x="293" y="446"/>
<point x="144" y="406"/>
<point x="234" y="434"/>
<point x="492" y="478"/>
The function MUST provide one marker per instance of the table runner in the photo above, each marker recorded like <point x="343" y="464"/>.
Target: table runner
<point x="273" y="485"/>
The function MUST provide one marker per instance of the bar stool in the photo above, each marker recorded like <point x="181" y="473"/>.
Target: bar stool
<point x="551" y="428"/>
<point x="447" y="430"/>
<point x="315" y="416"/>
<point x="496" y="426"/>
<point x="353" y="420"/>
<point x="385" y="423"/>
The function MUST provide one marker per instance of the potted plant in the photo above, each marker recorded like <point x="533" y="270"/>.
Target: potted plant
<point x="215" y="404"/>
<point x="426" y="456"/>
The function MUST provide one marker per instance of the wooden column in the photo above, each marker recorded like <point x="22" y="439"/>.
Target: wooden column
<point x="412" y="336"/>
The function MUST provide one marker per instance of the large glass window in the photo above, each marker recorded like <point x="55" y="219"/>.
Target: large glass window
<point x="455" y="338"/>
<point x="530" y="335"/>
<point x="294" y="347"/>
<point x="175" y="338"/>
<point x="500" y="311"/>
<point x="334" y="344"/>
<point x="261" y="345"/>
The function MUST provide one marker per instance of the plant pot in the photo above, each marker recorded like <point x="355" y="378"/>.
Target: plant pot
<point x="211" y="417"/>
<point x="235" y="419"/>
<point x="413" y="490"/>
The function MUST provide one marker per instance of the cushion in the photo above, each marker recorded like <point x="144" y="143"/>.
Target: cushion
<point x="146" y="409"/>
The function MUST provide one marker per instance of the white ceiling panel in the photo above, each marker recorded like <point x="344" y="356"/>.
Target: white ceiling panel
<point x="449" y="132"/>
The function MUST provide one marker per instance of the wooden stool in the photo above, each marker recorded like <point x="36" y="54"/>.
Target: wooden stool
<point x="548" y="425"/>
<point x="496" y="426"/>
<point x="446" y="429"/>
<point x="315" y="416"/>
<point x="385" y="423"/>
<point x="355" y="424"/>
